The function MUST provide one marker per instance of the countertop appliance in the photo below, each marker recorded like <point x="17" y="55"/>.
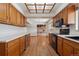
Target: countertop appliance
<point x="64" y="30"/>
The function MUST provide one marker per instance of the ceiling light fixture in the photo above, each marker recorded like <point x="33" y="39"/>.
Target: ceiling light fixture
<point x="40" y="1"/>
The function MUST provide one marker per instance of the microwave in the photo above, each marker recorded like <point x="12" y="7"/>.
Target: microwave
<point x="64" y="31"/>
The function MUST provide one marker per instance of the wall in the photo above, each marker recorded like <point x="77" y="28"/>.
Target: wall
<point x="7" y="30"/>
<point x="73" y="31"/>
<point x="32" y="26"/>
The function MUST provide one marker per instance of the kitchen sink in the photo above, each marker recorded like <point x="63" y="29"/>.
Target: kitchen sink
<point x="74" y="37"/>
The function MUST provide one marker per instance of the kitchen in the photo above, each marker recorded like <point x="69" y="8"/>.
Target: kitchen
<point x="39" y="29"/>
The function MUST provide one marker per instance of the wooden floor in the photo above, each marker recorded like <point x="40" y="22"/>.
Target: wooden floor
<point x="39" y="46"/>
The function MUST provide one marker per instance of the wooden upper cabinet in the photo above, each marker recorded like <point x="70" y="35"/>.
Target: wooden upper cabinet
<point x="3" y="12"/>
<point x="10" y="15"/>
<point x="71" y="14"/>
<point x="23" y="21"/>
<point x="65" y="15"/>
<point x="54" y="20"/>
<point x="18" y="18"/>
<point x="61" y="15"/>
<point x="13" y="15"/>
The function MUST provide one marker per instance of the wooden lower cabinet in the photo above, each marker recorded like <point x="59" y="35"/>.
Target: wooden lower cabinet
<point x="13" y="48"/>
<point x="67" y="47"/>
<point x="22" y="44"/>
<point x="76" y="52"/>
<point x="2" y="49"/>
<point x="67" y="50"/>
<point x="27" y="40"/>
<point x="59" y="46"/>
<point x="50" y="39"/>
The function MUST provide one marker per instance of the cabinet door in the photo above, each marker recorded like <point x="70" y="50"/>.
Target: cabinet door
<point x="27" y="40"/>
<point x="13" y="15"/>
<point x="8" y="14"/>
<point x="3" y="11"/>
<point x="59" y="45"/>
<point x="60" y="15"/>
<point x="71" y="14"/>
<point x="54" y="20"/>
<point x="50" y="39"/>
<point x="19" y="19"/>
<point x="13" y="48"/>
<point x="22" y="44"/>
<point x="67" y="49"/>
<point x="65" y="15"/>
<point x="23" y="21"/>
<point x="76" y="52"/>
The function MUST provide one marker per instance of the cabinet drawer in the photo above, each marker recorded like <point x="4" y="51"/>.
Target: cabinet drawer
<point x="13" y="42"/>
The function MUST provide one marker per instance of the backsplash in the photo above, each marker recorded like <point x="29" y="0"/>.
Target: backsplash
<point x="73" y="31"/>
<point x="9" y="30"/>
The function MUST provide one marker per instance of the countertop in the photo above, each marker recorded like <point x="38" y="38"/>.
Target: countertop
<point x="8" y="32"/>
<point x="66" y="36"/>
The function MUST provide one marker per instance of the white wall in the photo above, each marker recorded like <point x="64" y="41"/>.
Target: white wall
<point x="49" y="24"/>
<point x="32" y="27"/>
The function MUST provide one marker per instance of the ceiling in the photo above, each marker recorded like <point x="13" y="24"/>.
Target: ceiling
<point x="42" y="10"/>
<point x="39" y="13"/>
<point x="39" y="8"/>
<point x="35" y="21"/>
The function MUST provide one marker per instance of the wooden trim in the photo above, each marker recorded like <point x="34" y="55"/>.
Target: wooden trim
<point x="52" y="7"/>
<point x="39" y="13"/>
<point x="44" y="7"/>
<point x="27" y="7"/>
<point x="35" y="8"/>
